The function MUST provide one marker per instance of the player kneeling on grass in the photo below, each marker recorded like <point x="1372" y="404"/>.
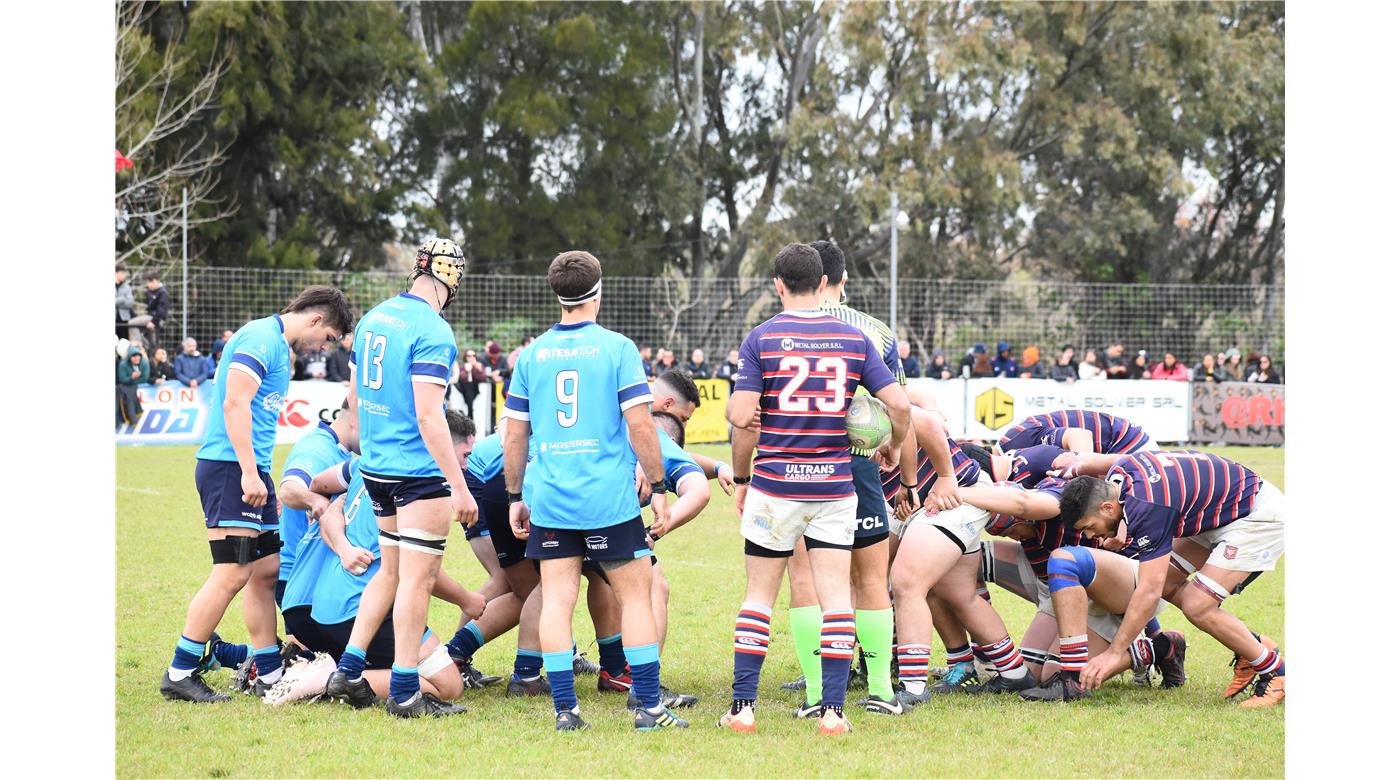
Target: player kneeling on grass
<point x="800" y="369"/>
<point x="332" y="566"/>
<point x="1211" y="519"/>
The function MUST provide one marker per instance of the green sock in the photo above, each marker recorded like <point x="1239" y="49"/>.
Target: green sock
<point x="875" y="632"/>
<point x="806" y="625"/>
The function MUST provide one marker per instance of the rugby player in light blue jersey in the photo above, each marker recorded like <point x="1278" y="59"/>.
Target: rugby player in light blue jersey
<point x="231" y="475"/>
<point x="401" y="363"/>
<point x="582" y="394"/>
<point x="329" y="445"/>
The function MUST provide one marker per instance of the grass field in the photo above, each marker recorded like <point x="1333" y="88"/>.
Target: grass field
<point x="1123" y="731"/>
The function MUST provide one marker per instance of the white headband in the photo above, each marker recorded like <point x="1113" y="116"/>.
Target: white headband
<point x="585" y="298"/>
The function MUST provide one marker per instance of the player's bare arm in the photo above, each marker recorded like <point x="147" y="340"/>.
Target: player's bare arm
<point x="515" y="442"/>
<point x="1079" y="439"/>
<point x="329" y="483"/>
<point x="1026" y="504"/>
<point x="716" y="470"/>
<point x="332" y="527"/>
<point x="641" y="431"/>
<point x="238" y="421"/>
<point x="1152" y="577"/>
<point x="933" y="439"/>
<point x="1073" y="464"/>
<point x="692" y="496"/>
<point x="432" y="423"/>
<point x="453" y="592"/>
<point x="741" y="450"/>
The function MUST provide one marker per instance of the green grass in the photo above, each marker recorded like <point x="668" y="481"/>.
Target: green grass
<point x="162" y="559"/>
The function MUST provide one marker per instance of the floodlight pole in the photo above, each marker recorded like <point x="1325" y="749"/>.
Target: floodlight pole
<point x="184" y="263"/>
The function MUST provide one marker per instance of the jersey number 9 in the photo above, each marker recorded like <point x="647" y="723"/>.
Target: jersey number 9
<point x="566" y="390"/>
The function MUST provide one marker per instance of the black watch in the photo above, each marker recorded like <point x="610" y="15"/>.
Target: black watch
<point x="512" y="498"/>
<point x="658" y="487"/>
<point x="742" y="480"/>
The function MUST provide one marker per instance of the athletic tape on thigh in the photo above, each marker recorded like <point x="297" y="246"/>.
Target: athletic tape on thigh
<point x="269" y="543"/>
<point x="435" y="662"/>
<point x="1182" y="565"/>
<point x="986" y="570"/>
<point x="241" y="550"/>
<point x="388" y="539"/>
<point x="422" y="541"/>
<point x="1211" y="587"/>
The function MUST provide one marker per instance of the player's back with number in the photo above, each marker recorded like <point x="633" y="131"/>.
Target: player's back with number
<point x="806" y="365"/>
<point x="572" y="384"/>
<point x="399" y="342"/>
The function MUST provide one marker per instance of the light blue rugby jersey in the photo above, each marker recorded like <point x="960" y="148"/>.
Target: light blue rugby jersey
<point x="260" y="350"/>
<point x="572" y="385"/>
<point x="317" y="577"/>
<point x="676" y="462"/>
<point x="397" y="343"/>
<point x="316" y="452"/>
<point x="487" y="458"/>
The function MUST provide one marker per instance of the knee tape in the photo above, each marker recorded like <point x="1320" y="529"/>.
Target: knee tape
<point x="1041" y="657"/>
<point x="422" y="541"/>
<point x="1182" y="565"/>
<point x="435" y="662"/>
<point x="388" y="539"/>
<point x="1211" y="587"/>
<point x="1077" y="571"/>
<point x="241" y="550"/>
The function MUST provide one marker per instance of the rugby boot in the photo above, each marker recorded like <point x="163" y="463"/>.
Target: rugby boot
<point x="422" y="705"/>
<point x="569" y="720"/>
<point x="1000" y="683"/>
<point x="1268" y="691"/>
<point x="833" y="721"/>
<point x="908" y="700"/>
<point x="583" y="665"/>
<point x="192" y="688"/>
<point x="645" y="720"/>
<point x="1244" y="671"/>
<point x="669" y="699"/>
<point x="473" y="677"/>
<point x="1173" y="667"/>
<point x="1058" y="688"/>
<point x="739" y="718"/>
<point x="356" y="693"/>
<point x="961" y="678"/>
<point x="610" y="684"/>
<point x="535" y="686"/>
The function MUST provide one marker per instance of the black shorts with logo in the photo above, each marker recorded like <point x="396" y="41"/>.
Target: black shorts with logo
<point x="493" y="511"/>
<point x="387" y="493"/>
<point x="623" y="541"/>
<point x="872" y="514"/>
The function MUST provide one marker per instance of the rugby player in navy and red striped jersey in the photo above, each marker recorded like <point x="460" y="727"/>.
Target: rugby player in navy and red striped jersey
<point x="1103" y="433"/>
<point x="1197" y="514"/>
<point x="800" y="369"/>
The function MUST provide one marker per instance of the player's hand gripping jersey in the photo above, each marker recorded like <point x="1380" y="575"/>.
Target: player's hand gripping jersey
<point x="317" y="578"/>
<point x="572" y="386"/>
<point x="964" y="468"/>
<point x="258" y="350"/>
<point x="397" y="343"/>
<point x="805" y="366"/>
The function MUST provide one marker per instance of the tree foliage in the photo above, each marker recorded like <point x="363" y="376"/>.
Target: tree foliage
<point x="1091" y="141"/>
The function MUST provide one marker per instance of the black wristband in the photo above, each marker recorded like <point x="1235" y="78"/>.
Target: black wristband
<point x="512" y="498"/>
<point x="742" y="480"/>
<point x="908" y="487"/>
<point x="658" y="487"/>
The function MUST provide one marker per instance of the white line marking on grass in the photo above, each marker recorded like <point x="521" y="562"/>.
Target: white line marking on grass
<point x="143" y="491"/>
<point x="698" y="564"/>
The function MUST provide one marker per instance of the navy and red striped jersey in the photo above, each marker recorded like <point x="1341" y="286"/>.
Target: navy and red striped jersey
<point x="964" y="468"/>
<point x="1051" y="533"/>
<point x="806" y="365"/>
<point x="1030" y="464"/>
<point x="1112" y="435"/>
<point x="1168" y="495"/>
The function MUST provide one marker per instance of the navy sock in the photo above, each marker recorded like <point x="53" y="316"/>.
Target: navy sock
<point x="403" y="682"/>
<point x="646" y="673"/>
<point x="560" y="668"/>
<point x="1153" y="628"/>
<point x="466" y="641"/>
<point x="751" y="635"/>
<point x="528" y="663"/>
<point x="187" y="654"/>
<point x="229" y="654"/>
<point x="611" y="655"/>
<point x="269" y="663"/>
<point x="352" y="662"/>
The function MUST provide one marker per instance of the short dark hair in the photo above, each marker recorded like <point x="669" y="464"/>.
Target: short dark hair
<point x="682" y="384"/>
<point x="460" y="426"/>
<point x="980" y="455"/>
<point x="153" y="273"/>
<point x="800" y="268"/>
<point x="329" y="300"/>
<point x="1080" y="494"/>
<point x="671" y="425"/>
<point x="574" y="273"/>
<point x="833" y="260"/>
<point x="345" y="404"/>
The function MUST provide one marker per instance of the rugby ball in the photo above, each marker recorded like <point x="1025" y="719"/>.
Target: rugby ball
<point x="867" y="422"/>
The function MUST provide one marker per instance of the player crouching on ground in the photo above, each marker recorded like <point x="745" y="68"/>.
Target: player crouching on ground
<point x="1194" y="512"/>
<point x="334" y="563"/>
<point x="800" y="369"/>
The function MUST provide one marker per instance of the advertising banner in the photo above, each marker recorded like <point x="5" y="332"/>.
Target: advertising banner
<point x="1237" y="413"/>
<point x="950" y="396"/>
<point x="1162" y="408"/>
<point x="177" y="414"/>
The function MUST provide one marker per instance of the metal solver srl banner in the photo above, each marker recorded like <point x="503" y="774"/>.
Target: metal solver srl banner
<point x="1162" y="408"/>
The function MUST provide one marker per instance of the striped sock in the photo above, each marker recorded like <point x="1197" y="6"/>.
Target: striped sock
<point x="645" y="662"/>
<point x="352" y="662"/>
<point x="466" y="641"/>
<point x="231" y="655"/>
<point x="560" y="669"/>
<point x="838" y="647"/>
<point x="528" y="663"/>
<point x="269" y="663"/>
<point x="913" y="667"/>
<point x="403" y="682"/>
<point x="611" y="655"/>
<point x="187" y="654"/>
<point x="1142" y="653"/>
<point x="1268" y="663"/>
<point x="751" y="631"/>
<point x="1006" y="658"/>
<point x="1074" y="654"/>
<point x="984" y="594"/>
<point x="959" y="655"/>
